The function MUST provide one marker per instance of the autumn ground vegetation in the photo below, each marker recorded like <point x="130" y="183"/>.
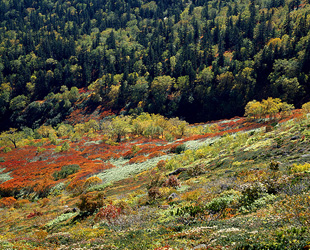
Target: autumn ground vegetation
<point x="119" y="183"/>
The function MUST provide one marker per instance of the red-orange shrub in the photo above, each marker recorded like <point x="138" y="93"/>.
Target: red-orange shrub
<point x="44" y="202"/>
<point x="7" y="202"/>
<point x="156" y="154"/>
<point x="110" y="213"/>
<point x="76" y="187"/>
<point x="35" y="213"/>
<point x="128" y="154"/>
<point x="138" y="159"/>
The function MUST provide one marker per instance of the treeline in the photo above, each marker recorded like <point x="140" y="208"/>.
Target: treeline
<point x="168" y="57"/>
<point x="112" y="130"/>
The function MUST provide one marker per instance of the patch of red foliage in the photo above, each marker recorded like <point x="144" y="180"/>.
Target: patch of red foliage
<point x="35" y="213"/>
<point x="7" y="202"/>
<point x="33" y="171"/>
<point x="137" y="159"/>
<point x="82" y="115"/>
<point x="110" y="213"/>
<point x="156" y="154"/>
<point x="83" y="90"/>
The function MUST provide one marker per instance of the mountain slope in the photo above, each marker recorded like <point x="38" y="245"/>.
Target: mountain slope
<point x="236" y="186"/>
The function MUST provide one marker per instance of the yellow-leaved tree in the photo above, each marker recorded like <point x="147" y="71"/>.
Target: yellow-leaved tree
<point x="271" y="107"/>
<point x="11" y="136"/>
<point x="253" y="109"/>
<point x="268" y="108"/>
<point x="120" y="126"/>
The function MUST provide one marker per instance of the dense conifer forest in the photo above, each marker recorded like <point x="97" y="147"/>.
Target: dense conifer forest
<point x="167" y="57"/>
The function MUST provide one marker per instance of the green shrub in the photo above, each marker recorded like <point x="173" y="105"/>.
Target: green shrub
<point x="169" y="137"/>
<point x="57" y="149"/>
<point x="39" y="149"/>
<point x="274" y="165"/>
<point x="66" y="171"/>
<point x="218" y="204"/>
<point x="223" y="201"/>
<point x="65" y="147"/>
<point x="178" y="149"/>
<point x="251" y="192"/>
<point x="60" y="219"/>
<point x="191" y="210"/>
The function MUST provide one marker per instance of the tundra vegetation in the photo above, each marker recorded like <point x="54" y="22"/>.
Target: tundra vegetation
<point x="148" y="182"/>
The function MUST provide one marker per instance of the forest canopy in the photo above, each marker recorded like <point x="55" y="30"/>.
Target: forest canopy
<point x="168" y="57"/>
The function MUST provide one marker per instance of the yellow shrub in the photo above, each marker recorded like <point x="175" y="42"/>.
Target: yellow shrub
<point x="92" y="181"/>
<point x="300" y="168"/>
<point x="166" y="191"/>
<point x="40" y="235"/>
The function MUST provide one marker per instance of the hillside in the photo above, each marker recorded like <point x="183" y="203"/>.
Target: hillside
<point x="110" y="124"/>
<point x="164" y="57"/>
<point x="233" y="184"/>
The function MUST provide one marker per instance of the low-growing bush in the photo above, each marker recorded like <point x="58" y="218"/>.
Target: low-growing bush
<point x="7" y="202"/>
<point x="259" y="203"/>
<point x="65" y="147"/>
<point x="178" y="149"/>
<point x="192" y="195"/>
<point x="91" y="202"/>
<point x="43" y="202"/>
<point x="60" y="238"/>
<point x="40" y="150"/>
<point x="21" y="203"/>
<point x="35" y="213"/>
<point x="172" y="181"/>
<point x="251" y="192"/>
<point x="274" y="165"/>
<point x="191" y="210"/>
<point x="226" y="199"/>
<point x="297" y="168"/>
<point x="198" y="169"/>
<point x="154" y="193"/>
<point x="169" y="137"/>
<point x="156" y="154"/>
<point x="137" y="159"/>
<point x="76" y="187"/>
<point x="110" y="213"/>
<point x="66" y="171"/>
<point x="92" y="181"/>
<point x="161" y="164"/>
<point x="218" y="204"/>
<point x="60" y="219"/>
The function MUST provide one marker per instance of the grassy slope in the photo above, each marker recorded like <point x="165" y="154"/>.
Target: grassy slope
<point x="229" y="196"/>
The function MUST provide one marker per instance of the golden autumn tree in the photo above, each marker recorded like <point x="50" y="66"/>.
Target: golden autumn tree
<point x="253" y="109"/>
<point x="306" y="108"/>
<point x="11" y="136"/>
<point x="120" y="126"/>
<point x="268" y="108"/>
<point x="271" y="107"/>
